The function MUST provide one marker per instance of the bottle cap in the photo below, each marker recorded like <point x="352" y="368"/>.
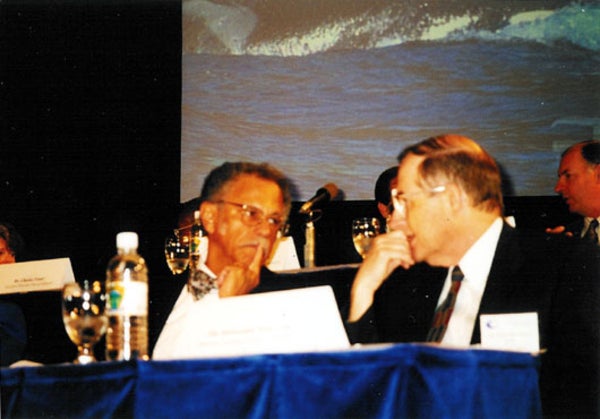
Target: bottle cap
<point x="127" y="240"/>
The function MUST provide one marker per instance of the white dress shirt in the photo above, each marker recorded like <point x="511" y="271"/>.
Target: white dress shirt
<point x="176" y="325"/>
<point x="173" y="334"/>
<point x="475" y="265"/>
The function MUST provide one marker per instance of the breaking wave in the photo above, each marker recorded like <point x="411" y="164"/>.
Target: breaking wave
<point x="299" y="28"/>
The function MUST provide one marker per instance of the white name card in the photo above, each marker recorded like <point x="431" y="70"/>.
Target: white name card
<point x="300" y="320"/>
<point x="510" y="332"/>
<point x="37" y="275"/>
<point x="283" y="256"/>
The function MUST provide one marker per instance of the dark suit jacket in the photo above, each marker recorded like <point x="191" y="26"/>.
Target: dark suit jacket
<point x="575" y="227"/>
<point x="13" y="335"/>
<point x="554" y="276"/>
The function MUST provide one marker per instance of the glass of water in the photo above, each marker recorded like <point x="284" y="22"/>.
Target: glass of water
<point x="83" y="315"/>
<point x="364" y="231"/>
<point x="177" y="252"/>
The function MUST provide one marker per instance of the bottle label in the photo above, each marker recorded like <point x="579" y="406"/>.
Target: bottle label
<point x="127" y="298"/>
<point x="195" y="244"/>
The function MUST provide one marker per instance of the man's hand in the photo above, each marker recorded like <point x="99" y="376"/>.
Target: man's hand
<point x="240" y="280"/>
<point x="387" y="252"/>
<point x="559" y="230"/>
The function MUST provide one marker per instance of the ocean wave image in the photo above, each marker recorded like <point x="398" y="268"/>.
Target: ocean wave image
<point x="330" y="91"/>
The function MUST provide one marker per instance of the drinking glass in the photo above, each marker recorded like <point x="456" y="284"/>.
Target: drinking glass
<point x="363" y="231"/>
<point x="84" y="318"/>
<point x="177" y="252"/>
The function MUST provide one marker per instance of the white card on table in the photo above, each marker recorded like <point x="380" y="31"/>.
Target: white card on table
<point x="37" y="275"/>
<point x="298" y="320"/>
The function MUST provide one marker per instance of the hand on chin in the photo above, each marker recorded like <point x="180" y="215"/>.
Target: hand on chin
<point x="245" y="255"/>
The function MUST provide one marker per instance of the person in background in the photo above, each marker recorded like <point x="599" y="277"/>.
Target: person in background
<point x="450" y="258"/>
<point x="13" y="330"/>
<point x="579" y="185"/>
<point x="11" y="244"/>
<point x="243" y="207"/>
<point x="384" y="184"/>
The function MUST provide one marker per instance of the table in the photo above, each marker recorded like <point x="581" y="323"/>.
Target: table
<point x="405" y="380"/>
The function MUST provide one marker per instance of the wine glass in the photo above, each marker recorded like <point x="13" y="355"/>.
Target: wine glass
<point x="177" y="252"/>
<point x="84" y="318"/>
<point x="363" y="231"/>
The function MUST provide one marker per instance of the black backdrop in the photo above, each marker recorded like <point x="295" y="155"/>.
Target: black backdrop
<point x="89" y="137"/>
<point x="91" y="96"/>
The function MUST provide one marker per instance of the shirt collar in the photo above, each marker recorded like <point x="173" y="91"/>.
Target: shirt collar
<point x="477" y="262"/>
<point x="206" y="270"/>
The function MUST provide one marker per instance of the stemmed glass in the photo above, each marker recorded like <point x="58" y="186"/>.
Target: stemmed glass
<point x="177" y="252"/>
<point x="84" y="318"/>
<point x="363" y="231"/>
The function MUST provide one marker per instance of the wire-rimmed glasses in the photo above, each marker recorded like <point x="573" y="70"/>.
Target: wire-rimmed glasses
<point x="400" y="200"/>
<point x="252" y="216"/>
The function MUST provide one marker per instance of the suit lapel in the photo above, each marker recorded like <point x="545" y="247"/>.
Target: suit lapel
<point x="503" y="281"/>
<point x="406" y="301"/>
<point x="576" y="227"/>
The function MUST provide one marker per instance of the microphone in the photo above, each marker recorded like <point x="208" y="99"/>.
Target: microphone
<point x="324" y="194"/>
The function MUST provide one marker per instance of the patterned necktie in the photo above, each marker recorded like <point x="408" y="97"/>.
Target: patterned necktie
<point x="592" y="232"/>
<point x="444" y="311"/>
<point x="200" y="283"/>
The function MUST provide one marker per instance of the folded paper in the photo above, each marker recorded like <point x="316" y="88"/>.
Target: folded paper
<point x="300" y="320"/>
<point x="38" y="275"/>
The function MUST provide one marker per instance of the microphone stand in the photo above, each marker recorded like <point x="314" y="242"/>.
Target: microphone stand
<point x="309" y="244"/>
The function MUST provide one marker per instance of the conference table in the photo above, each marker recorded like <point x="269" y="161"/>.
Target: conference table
<point x="400" y="381"/>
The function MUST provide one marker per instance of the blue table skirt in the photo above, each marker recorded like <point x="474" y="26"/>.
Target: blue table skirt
<point x="395" y="381"/>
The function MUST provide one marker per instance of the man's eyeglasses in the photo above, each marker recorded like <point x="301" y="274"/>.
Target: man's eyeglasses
<point x="400" y="200"/>
<point x="252" y="216"/>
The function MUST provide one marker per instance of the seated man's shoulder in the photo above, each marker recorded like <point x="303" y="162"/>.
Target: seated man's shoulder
<point x="533" y="243"/>
<point x="547" y="256"/>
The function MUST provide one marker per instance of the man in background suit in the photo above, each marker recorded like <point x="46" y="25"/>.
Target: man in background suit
<point x="579" y="185"/>
<point x="384" y="184"/>
<point x="448" y="213"/>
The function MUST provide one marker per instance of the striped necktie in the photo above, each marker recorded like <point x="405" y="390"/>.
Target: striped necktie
<point x="442" y="314"/>
<point x="592" y="232"/>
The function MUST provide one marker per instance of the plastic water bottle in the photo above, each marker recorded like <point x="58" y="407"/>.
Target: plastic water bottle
<point x="196" y="237"/>
<point x="127" y="302"/>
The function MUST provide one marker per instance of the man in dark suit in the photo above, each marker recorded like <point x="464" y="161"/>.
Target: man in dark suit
<point x="579" y="185"/>
<point x="447" y="215"/>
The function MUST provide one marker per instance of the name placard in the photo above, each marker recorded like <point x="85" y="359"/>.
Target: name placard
<point x="37" y="275"/>
<point x="510" y="332"/>
<point x="300" y="320"/>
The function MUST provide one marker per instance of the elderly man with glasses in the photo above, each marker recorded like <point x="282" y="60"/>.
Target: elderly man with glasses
<point x="243" y="207"/>
<point x="450" y="259"/>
